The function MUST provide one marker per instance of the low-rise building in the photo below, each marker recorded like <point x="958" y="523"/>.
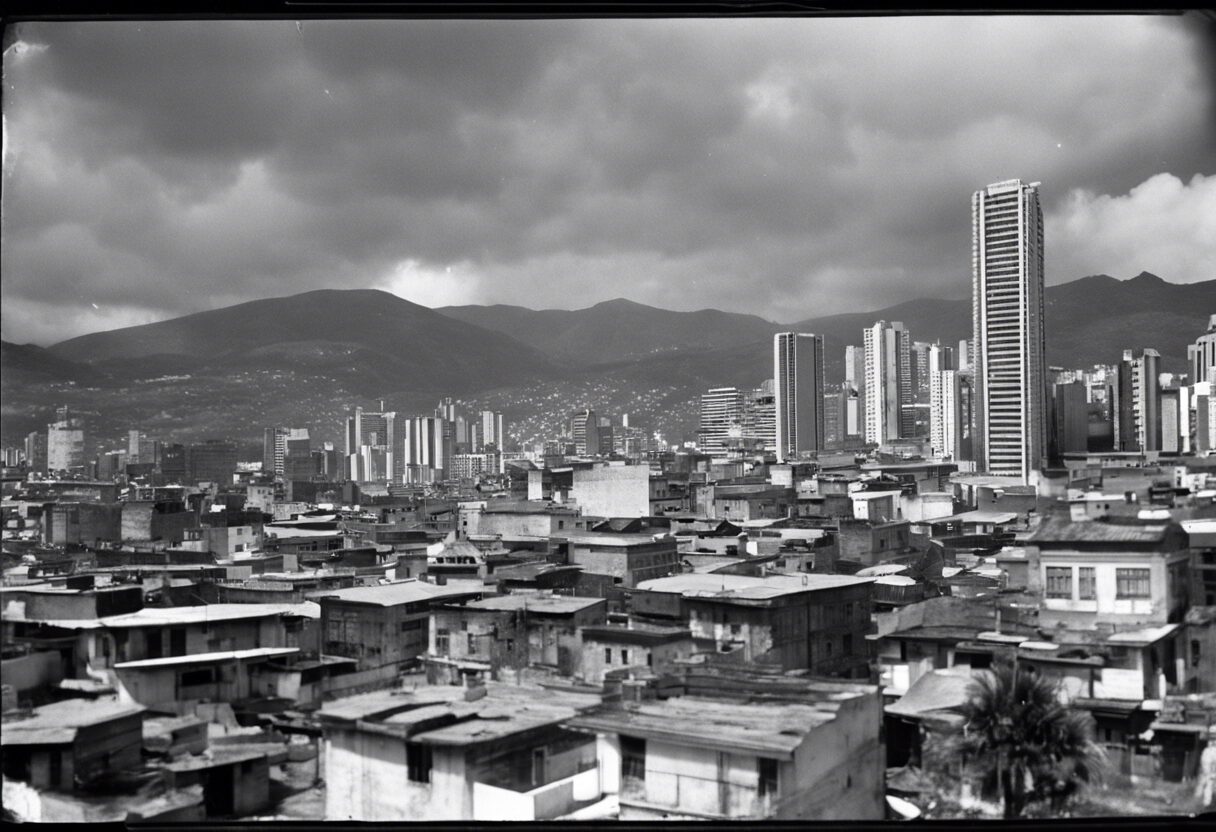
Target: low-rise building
<point x="498" y="752"/>
<point x="799" y="750"/>
<point x="627" y="559"/>
<point x="75" y="741"/>
<point x="637" y="645"/>
<point x="810" y="621"/>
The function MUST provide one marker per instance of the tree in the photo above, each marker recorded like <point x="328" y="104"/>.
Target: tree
<point x="1024" y="741"/>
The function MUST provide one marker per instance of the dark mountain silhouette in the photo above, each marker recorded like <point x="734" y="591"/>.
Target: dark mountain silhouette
<point x="374" y="340"/>
<point x="30" y="364"/>
<point x="615" y="329"/>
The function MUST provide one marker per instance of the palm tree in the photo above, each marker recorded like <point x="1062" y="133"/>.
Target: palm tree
<point x="1024" y="741"/>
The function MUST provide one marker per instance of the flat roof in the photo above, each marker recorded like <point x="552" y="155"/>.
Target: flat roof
<point x="556" y="604"/>
<point x="391" y="595"/>
<point x="635" y="633"/>
<point x="1146" y="635"/>
<point x="613" y="539"/>
<point x="57" y="722"/>
<point x="169" y="616"/>
<point x="771" y="730"/>
<point x="747" y="588"/>
<point x="505" y="709"/>
<point x="208" y="658"/>
<point x="936" y="690"/>
<point x="977" y="516"/>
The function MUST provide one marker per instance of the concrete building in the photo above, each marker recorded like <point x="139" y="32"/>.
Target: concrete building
<point x="585" y="431"/>
<point x="1176" y="420"/>
<point x="428" y="449"/>
<point x="500" y="636"/>
<point x="374" y="447"/>
<point x="888" y="377"/>
<point x="65" y="442"/>
<point x="1123" y="575"/>
<point x="721" y="410"/>
<point x="437" y="753"/>
<point x="798" y="379"/>
<point x="1007" y="316"/>
<point x="1069" y="419"/>
<point x="1202" y="355"/>
<point x="222" y="676"/>
<point x="799" y="750"/>
<point x="66" y="744"/>
<point x="1137" y="405"/>
<point x="645" y="647"/>
<point x="383" y="626"/>
<point x="491" y="433"/>
<point x="792" y="622"/>
<point x="625" y="559"/>
<point x="612" y="490"/>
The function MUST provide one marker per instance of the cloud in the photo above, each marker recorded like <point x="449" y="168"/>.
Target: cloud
<point x="781" y="167"/>
<point x="1163" y="225"/>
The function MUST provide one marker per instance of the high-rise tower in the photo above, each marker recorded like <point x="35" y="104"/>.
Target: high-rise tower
<point x="798" y="387"/>
<point x="1007" y="321"/>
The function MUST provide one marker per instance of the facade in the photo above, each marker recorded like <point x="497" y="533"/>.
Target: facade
<point x="274" y="450"/>
<point x="585" y="431"/>
<point x="1069" y="419"/>
<point x="1007" y="320"/>
<point x="813" y="621"/>
<point x="721" y="411"/>
<point x="1137" y="408"/>
<point x="65" y="442"/>
<point x="945" y="403"/>
<point x="888" y="378"/>
<point x="373" y="446"/>
<point x="627" y="559"/>
<point x="491" y="432"/>
<point x="799" y="750"/>
<point x="612" y="490"/>
<point x="382" y="626"/>
<point x="798" y="378"/>
<point x="438" y="753"/>
<point x="1202" y="355"/>
<point x="427" y="448"/>
<point x="66" y="744"/>
<point x="211" y="461"/>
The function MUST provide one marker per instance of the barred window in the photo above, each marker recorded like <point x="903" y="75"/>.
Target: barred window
<point x="1132" y="583"/>
<point x="1059" y="582"/>
<point x="1087" y="584"/>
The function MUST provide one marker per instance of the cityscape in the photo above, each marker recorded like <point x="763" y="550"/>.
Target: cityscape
<point x="486" y="541"/>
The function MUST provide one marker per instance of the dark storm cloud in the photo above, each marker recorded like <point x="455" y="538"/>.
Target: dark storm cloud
<point x="781" y="167"/>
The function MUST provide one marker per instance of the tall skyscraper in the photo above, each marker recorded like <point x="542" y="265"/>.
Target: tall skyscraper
<point x="855" y="378"/>
<point x="65" y="442"/>
<point x="491" y="431"/>
<point x="274" y="450"/>
<point x="1138" y="402"/>
<point x="945" y="401"/>
<point x="1007" y="321"/>
<point x="1202" y="355"/>
<point x="888" y="380"/>
<point x="585" y="431"/>
<point x="798" y="387"/>
<point x="373" y="446"/>
<point x="721" y="410"/>
<point x="35" y="452"/>
<point x="427" y="447"/>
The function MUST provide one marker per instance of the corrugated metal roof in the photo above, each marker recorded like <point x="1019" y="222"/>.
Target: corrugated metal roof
<point x="1055" y="530"/>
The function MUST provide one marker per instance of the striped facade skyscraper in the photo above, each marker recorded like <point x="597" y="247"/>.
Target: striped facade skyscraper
<point x="1007" y="322"/>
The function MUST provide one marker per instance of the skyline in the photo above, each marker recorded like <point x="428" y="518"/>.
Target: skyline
<point x="162" y="200"/>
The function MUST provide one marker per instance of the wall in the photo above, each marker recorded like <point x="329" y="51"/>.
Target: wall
<point x="33" y="671"/>
<point x="1106" y="608"/>
<point x="613" y="490"/>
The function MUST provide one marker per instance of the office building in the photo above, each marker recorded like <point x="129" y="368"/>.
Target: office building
<point x="373" y="446"/>
<point x="1007" y="320"/>
<point x="35" y="452"/>
<point x="585" y="431"/>
<point x="274" y="450"/>
<point x="1137" y="410"/>
<point x="491" y="432"/>
<point x="721" y="411"/>
<point x="1176" y="420"/>
<point x="141" y="450"/>
<point x="945" y="402"/>
<point x="888" y="379"/>
<point x="65" y="442"/>
<point x="1069" y="419"/>
<point x="1202" y="355"/>
<point x="798" y="388"/>
<point x="428" y="449"/>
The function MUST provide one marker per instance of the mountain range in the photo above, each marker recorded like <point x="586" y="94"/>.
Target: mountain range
<point x="302" y="359"/>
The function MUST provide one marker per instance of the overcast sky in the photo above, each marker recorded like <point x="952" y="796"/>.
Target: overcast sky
<point x="785" y="167"/>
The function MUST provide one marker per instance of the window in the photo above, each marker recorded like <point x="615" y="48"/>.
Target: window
<point x="1195" y="651"/>
<point x="441" y="642"/>
<point x="848" y="644"/>
<point x="848" y="613"/>
<point x="624" y="657"/>
<point x="650" y="657"/>
<point x="633" y="757"/>
<point x="1059" y="582"/>
<point x="768" y="776"/>
<point x="607" y="655"/>
<point x="418" y="762"/>
<point x="1132" y="583"/>
<point x="1087" y="585"/>
<point x="471" y="643"/>
<point x="416" y="624"/>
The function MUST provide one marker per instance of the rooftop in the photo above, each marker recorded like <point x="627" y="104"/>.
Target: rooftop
<point x="635" y="633"/>
<point x="391" y="595"/>
<point x="747" y="588"/>
<point x="772" y="729"/>
<point x="1059" y="530"/>
<point x="612" y="539"/>
<point x="504" y="710"/>
<point x="169" y="616"/>
<point x="57" y="723"/>
<point x="937" y="690"/>
<point x="553" y="604"/>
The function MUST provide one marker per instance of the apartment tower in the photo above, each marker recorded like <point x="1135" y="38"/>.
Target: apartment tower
<point x="798" y="388"/>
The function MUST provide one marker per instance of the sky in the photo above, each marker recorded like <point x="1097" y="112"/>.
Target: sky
<point x="788" y="168"/>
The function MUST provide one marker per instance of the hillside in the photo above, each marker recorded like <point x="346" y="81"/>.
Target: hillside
<point x="375" y="341"/>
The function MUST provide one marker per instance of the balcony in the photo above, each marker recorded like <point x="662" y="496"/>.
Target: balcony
<point x="552" y="800"/>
